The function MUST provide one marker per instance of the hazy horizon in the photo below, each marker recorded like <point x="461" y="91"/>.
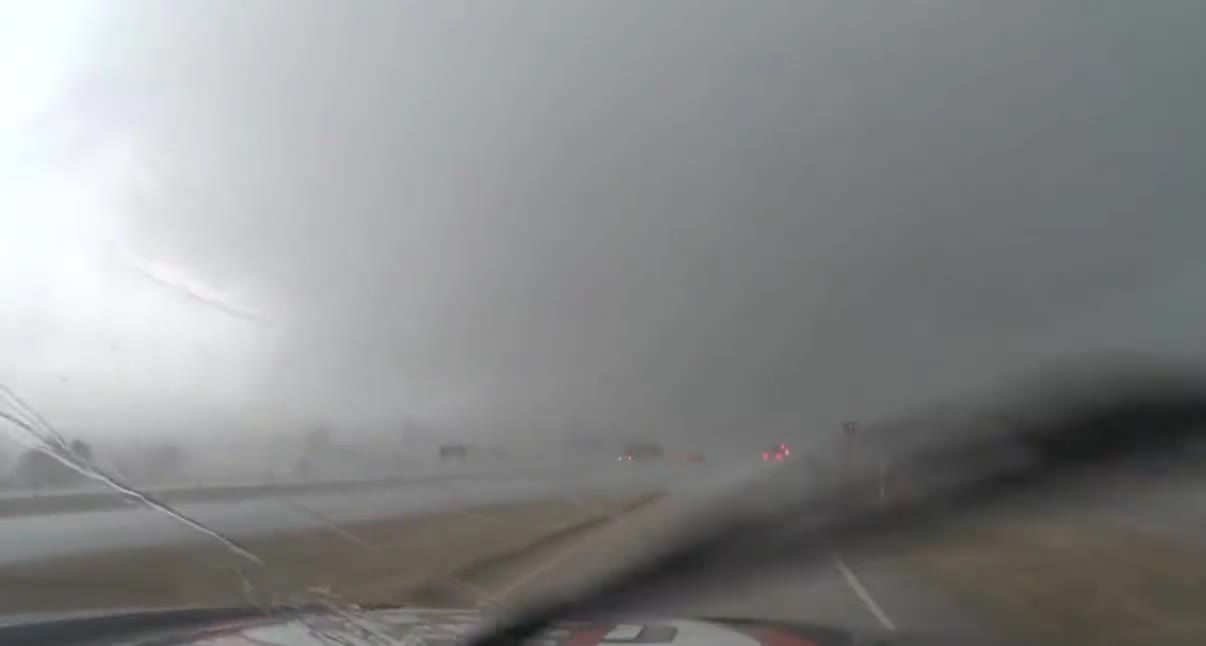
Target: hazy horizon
<point x="699" y="220"/>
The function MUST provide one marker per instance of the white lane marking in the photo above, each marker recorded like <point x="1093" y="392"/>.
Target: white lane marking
<point x="861" y="592"/>
<point x="553" y="561"/>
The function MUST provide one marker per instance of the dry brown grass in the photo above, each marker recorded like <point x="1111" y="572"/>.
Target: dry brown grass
<point x="1077" y="582"/>
<point x="403" y="553"/>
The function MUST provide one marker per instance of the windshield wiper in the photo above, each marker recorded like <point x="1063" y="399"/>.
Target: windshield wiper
<point x="1126" y="420"/>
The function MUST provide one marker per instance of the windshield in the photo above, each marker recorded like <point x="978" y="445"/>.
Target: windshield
<point x="449" y="304"/>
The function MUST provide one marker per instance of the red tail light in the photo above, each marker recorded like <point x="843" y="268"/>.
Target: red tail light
<point x="765" y="456"/>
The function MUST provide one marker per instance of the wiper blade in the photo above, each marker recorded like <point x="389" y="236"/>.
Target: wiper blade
<point x="1110" y="423"/>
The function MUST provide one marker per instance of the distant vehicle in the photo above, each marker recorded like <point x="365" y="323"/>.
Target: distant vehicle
<point x="454" y="452"/>
<point x="640" y="451"/>
<point x="776" y="453"/>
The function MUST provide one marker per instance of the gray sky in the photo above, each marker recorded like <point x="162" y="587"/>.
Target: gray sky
<point x="705" y="218"/>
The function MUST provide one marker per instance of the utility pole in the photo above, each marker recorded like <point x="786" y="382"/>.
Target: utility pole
<point x="849" y="431"/>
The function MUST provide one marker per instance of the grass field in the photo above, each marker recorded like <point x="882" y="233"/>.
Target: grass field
<point x="1079" y="581"/>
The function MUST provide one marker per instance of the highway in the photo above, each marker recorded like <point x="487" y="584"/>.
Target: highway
<point x="37" y="537"/>
<point x="871" y="596"/>
<point x="875" y="595"/>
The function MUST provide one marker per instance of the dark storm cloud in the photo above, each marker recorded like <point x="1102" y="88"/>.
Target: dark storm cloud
<point x="685" y="217"/>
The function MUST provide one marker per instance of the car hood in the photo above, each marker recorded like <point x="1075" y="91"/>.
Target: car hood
<point x="433" y="627"/>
